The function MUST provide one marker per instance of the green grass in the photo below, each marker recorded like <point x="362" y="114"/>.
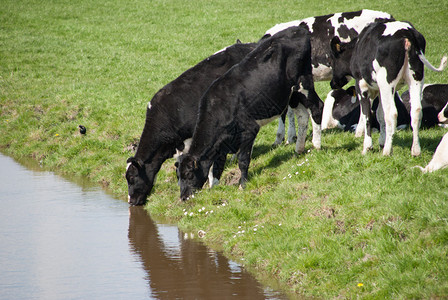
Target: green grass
<point x="325" y="221"/>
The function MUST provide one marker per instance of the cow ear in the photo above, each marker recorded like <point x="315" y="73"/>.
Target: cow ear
<point x="336" y="45"/>
<point x="238" y="41"/>
<point x="137" y="162"/>
<point x="351" y="91"/>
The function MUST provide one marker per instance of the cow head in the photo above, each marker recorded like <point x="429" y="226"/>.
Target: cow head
<point x="139" y="184"/>
<point x="191" y="174"/>
<point x="341" y="54"/>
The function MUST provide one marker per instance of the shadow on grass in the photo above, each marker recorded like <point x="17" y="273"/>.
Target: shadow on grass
<point x="262" y="149"/>
<point x="426" y="144"/>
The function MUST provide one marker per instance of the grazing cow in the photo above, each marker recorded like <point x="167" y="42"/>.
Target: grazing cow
<point x="434" y="99"/>
<point x="346" y="25"/>
<point x="171" y="117"/>
<point x="342" y="110"/>
<point x="248" y="96"/>
<point x="440" y="158"/>
<point x="384" y="55"/>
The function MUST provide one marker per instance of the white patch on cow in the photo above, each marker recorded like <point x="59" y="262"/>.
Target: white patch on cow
<point x="263" y="122"/>
<point x="440" y="157"/>
<point x="357" y="23"/>
<point x="303" y="91"/>
<point x="149" y="105"/>
<point x="328" y="121"/>
<point x="282" y="26"/>
<point x="187" y="145"/>
<point x="309" y="22"/>
<point x="212" y="181"/>
<point x="441" y="117"/>
<point x="393" y="27"/>
<point x="222" y="50"/>
<point x="317" y="133"/>
<point x="127" y="167"/>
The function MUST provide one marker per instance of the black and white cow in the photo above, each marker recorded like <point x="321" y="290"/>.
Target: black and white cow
<point x="434" y="100"/>
<point x="170" y="119"/>
<point x="250" y="95"/>
<point x="342" y="110"/>
<point x="345" y="25"/>
<point x="384" y="55"/>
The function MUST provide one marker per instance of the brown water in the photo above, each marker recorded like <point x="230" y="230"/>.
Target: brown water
<point x="61" y="240"/>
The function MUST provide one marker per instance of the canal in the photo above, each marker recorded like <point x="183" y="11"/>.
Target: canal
<point x="66" y="240"/>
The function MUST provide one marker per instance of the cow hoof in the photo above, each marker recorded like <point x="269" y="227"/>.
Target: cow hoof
<point x="366" y="150"/>
<point x="291" y="140"/>
<point x="415" y="151"/>
<point x="387" y="152"/>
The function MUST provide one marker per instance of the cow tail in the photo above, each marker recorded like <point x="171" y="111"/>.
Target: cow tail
<point x="443" y="62"/>
<point x="417" y="44"/>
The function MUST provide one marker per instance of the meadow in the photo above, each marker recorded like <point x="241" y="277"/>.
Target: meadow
<point x="326" y="224"/>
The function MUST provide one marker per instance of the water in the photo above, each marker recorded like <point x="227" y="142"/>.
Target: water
<point x="61" y="240"/>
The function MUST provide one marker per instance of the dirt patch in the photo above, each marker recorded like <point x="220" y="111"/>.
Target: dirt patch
<point x="340" y="227"/>
<point x="325" y="211"/>
<point x="232" y="177"/>
<point x="369" y="225"/>
<point x="131" y="147"/>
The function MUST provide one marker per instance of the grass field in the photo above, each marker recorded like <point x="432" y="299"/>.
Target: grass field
<point x="326" y="224"/>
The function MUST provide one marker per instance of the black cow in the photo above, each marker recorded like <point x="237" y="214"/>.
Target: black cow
<point x="434" y="99"/>
<point x="382" y="56"/>
<point x="251" y="94"/>
<point x="342" y="110"/>
<point x="346" y="25"/>
<point x="170" y="119"/>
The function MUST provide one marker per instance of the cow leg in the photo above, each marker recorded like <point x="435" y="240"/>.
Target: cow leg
<point x="292" y="137"/>
<point x="302" y="126"/>
<point x="216" y="171"/>
<point x="244" y="155"/>
<point x="304" y="95"/>
<point x="364" y="100"/>
<point x="361" y="127"/>
<point x="415" y="92"/>
<point x="381" y="120"/>
<point x="390" y="116"/>
<point x="280" y="130"/>
<point x="317" y="134"/>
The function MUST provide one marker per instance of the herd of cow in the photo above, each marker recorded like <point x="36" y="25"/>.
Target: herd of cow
<point x="218" y="106"/>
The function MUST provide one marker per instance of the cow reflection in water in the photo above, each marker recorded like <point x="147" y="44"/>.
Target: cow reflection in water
<point x="193" y="272"/>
